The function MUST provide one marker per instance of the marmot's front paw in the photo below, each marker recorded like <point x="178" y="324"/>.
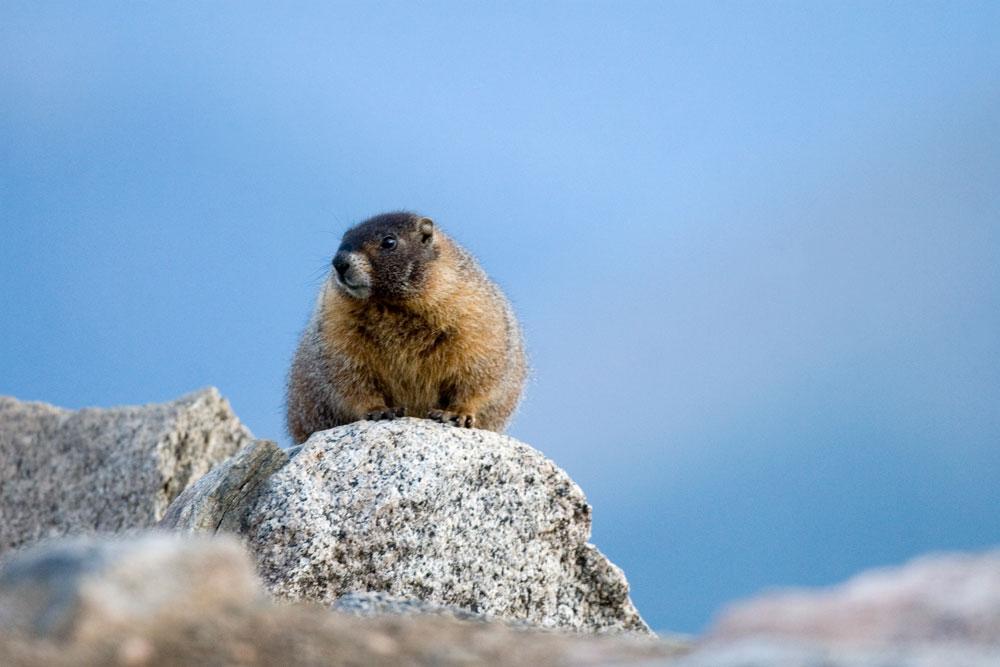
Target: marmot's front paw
<point x="384" y="413"/>
<point x="453" y="418"/>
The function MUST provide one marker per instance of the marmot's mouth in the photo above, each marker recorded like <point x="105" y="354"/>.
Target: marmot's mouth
<point x="357" y="290"/>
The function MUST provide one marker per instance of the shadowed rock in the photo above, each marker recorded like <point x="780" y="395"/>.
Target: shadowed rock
<point x="373" y="604"/>
<point x="64" y="472"/>
<point x="217" y="500"/>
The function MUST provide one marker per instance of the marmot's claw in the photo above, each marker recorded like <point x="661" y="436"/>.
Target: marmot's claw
<point x="384" y="413"/>
<point x="453" y="418"/>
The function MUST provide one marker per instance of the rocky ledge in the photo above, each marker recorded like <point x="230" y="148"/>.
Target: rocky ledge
<point x="396" y="543"/>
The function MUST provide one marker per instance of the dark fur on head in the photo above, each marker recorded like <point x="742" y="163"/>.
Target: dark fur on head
<point x="385" y="257"/>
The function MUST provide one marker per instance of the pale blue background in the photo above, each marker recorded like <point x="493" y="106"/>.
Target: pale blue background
<point x="755" y="247"/>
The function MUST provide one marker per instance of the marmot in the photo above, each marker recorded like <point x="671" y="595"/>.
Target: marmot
<point x="406" y="324"/>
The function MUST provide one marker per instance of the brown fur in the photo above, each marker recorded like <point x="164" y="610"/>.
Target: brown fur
<point x="435" y="338"/>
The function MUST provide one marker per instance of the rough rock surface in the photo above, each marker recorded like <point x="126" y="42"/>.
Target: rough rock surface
<point x="183" y="600"/>
<point x="382" y="604"/>
<point x="64" y="472"/>
<point x="950" y="598"/>
<point x="216" y="501"/>
<point x="457" y="517"/>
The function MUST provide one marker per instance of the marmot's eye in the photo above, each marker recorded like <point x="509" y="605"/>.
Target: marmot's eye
<point x="389" y="242"/>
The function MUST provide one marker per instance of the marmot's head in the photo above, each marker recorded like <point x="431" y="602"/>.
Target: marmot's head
<point x="385" y="257"/>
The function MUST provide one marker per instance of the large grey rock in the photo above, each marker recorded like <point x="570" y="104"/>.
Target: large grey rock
<point x="457" y="517"/>
<point x="187" y="600"/>
<point x="64" y="472"/>
<point x="952" y="598"/>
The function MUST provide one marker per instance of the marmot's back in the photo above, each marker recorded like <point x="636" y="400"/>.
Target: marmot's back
<point x="407" y="324"/>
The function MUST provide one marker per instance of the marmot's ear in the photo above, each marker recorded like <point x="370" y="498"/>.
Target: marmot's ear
<point x="426" y="227"/>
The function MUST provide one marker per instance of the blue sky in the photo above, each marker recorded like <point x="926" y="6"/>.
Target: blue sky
<point x="755" y="247"/>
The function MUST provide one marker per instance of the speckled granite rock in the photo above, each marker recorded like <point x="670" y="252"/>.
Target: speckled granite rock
<point x="951" y="598"/>
<point x="463" y="518"/>
<point x="369" y="605"/>
<point x="64" y="472"/>
<point x="157" y="600"/>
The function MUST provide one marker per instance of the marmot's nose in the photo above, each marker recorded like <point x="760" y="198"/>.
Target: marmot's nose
<point x="340" y="264"/>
